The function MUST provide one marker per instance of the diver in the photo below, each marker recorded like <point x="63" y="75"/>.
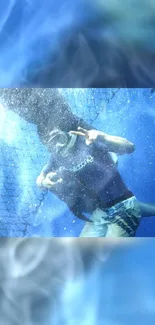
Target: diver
<point x="81" y="171"/>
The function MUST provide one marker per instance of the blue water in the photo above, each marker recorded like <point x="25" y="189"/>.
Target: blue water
<point x="35" y="31"/>
<point x="74" y="282"/>
<point x="27" y="211"/>
<point x="68" y="36"/>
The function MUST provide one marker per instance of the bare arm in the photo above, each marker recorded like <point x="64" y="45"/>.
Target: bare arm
<point x="115" y="144"/>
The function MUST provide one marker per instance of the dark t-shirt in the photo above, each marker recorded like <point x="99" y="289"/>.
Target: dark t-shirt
<point x="92" y="168"/>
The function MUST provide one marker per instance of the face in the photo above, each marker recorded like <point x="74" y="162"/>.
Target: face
<point x="59" y="142"/>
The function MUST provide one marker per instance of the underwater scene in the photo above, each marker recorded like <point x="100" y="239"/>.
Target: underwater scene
<point x="77" y="162"/>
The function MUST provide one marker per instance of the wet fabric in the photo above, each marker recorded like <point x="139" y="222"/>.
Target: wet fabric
<point x="93" y="167"/>
<point x="121" y="220"/>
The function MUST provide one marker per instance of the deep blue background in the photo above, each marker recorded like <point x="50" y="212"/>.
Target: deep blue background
<point x="119" y="290"/>
<point x="25" y="210"/>
<point x="32" y="33"/>
<point x="66" y="43"/>
<point x="74" y="282"/>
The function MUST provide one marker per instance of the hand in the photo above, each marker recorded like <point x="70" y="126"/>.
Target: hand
<point x="90" y="135"/>
<point x="48" y="183"/>
<point x="45" y="181"/>
<point x="39" y="180"/>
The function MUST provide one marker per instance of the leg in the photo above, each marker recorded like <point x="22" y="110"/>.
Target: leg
<point x="92" y="230"/>
<point x="125" y="217"/>
<point x="96" y="229"/>
<point x="147" y="209"/>
<point x="121" y="220"/>
<point x="103" y="228"/>
<point x="115" y="231"/>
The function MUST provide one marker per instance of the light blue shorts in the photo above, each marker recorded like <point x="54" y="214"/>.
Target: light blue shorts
<point x="121" y="220"/>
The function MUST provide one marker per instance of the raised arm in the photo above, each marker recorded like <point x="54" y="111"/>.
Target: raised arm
<point x="115" y="144"/>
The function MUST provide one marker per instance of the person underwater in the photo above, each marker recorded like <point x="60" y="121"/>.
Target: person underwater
<point x="82" y="171"/>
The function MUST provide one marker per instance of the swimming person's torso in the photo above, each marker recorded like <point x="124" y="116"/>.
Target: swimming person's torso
<point x="95" y="169"/>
